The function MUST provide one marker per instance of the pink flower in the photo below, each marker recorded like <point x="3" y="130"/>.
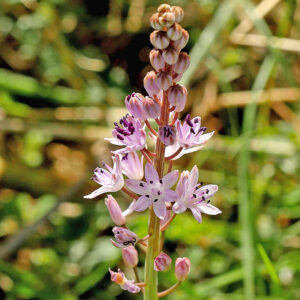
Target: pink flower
<point x="190" y="137"/>
<point x="114" y="210"/>
<point x="124" y="237"/>
<point x="154" y="191"/>
<point x="194" y="196"/>
<point x="130" y="134"/>
<point x="132" y="166"/>
<point x="162" y="262"/>
<point x="135" y="105"/>
<point x="110" y="179"/>
<point x="125" y="284"/>
<point x="130" y="256"/>
<point x="182" y="268"/>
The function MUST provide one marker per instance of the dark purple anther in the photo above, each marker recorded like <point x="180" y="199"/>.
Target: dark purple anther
<point x="125" y="157"/>
<point x="188" y="120"/>
<point x="120" y="137"/>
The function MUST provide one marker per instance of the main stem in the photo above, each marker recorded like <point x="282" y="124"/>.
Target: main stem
<point x="154" y="222"/>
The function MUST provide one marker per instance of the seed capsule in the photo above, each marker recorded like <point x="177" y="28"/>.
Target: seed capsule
<point x="178" y="13"/>
<point x="156" y="59"/>
<point x="159" y="39"/>
<point x="167" y="19"/>
<point x="163" y="80"/>
<point x="174" y="33"/>
<point x="163" y="8"/>
<point x="154" y="22"/>
<point x="170" y="55"/>
<point x="181" y="43"/>
<point x="150" y="84"/>
<point x="183" y="62"/>
<point x="177" y="95"/>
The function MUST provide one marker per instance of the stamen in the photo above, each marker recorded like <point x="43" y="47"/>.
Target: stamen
<point x="160" y="180"/>
<point x="147" y="196"/>
<point x="125" y="157"/>
<point x="203" y="198"/>
<point x="141" y="184"/>
<point x="151" y="181"/>
<point x="158" y="193"/>
<point x="120" y="137"/>
<point x="194" y="195"/>
<point x="155" y="200"/>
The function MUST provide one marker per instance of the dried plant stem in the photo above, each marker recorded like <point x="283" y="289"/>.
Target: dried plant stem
<point x="154" y="222"/>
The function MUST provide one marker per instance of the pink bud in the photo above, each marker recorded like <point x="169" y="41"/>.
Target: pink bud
<point x="150" y="84"/>
<point x="159" y="39"/>
<point x="124" y="237"/>
<point x="162" y="262"/>
<point x="181" y="43"/>
<point x="174" y="33"/>
<point x="183" y="62"/>
<point x="167" y="19"/>
<point x="178" y="13"/>
<point x="167" y="135"/>
<point x="163" y="80"/>
<point x="154" y="21"/>
<point x="182" y="268"/>
<point x="164" y="8"/>
<point x="170" y="55"/>
<point x="176" y="77"/>
<point x="177" y="96"/>
<point x="130" y="256"/>
<point x="135" y="105"/>
<point x="156" y="59"/>
<point x="152" y="108"/>
<point x="114" y="210"/>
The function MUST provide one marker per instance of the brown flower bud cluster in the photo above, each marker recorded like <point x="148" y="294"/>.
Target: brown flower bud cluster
<point x="168" y="38"/>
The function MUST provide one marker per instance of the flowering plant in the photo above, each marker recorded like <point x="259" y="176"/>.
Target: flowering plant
<point x="149" y="186"/>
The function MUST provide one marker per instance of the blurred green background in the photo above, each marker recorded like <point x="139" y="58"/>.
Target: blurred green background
<point x="65" y="69"/>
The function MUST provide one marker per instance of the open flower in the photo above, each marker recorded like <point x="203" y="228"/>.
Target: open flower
<point x="130" y="134"/>
<point x="125" y="284"/>
<point x="132" y="166"/>
<point x="190" y="137"/>
<point x="154" y="191"/>
<point x="194" y="196"/>
<point x="111" y="179"/>
<point x="124" y="237"/>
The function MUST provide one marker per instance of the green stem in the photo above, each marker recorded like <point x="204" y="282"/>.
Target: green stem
<point x="154" y="222"/>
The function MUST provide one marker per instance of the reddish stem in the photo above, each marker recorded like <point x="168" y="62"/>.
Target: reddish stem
<point x="158" y="122"/>
<point x="149" y="152"/>
<point x="170" y="166"/>
<point x="150" y="127"/>
<point x="172" y="108"/>
<point x="146" y="156"/>
<point x="174" y="154"/>
<point x="175" y="118"/>
<point x="169" y="290"/>
<point x="165" y="226"/>
<point x="129" y="193"/>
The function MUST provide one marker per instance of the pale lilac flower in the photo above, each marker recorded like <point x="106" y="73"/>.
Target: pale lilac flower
<point x="114" y="210"/>
<point x="125" y="284"/>
<point x="132" y="166"/>
<point x="135" y="105"/>
<point x="162" y="262"/>
<point x="190" y="137"/>
<point x="124" y="237"/>
<point x="130" y="134"/>
<point x="111" y="179"/>
<point x="154" y="191"/>
<point x="130" y="256"/>
<point x="182" y="268"/>
<point x="194" y="196"/>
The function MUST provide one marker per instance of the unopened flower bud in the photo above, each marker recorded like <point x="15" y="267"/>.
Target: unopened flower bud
<point x="167" y="19"/>
<point x="130" y="256"/>
<point x="170" y="55"/>
<point x="159" y="39"/>
<point x="154" y="21"/>
<point x="163" y="80"/>
<point x="174" y="33"/>
<point x="152" y="108"/>
<point x="162" y="262"/>
<point x="163" y="8"/>
<point x="156" y="59"/>
<point x="181" y="43"/>
<point x="182" y="268"/>
<point x="124" y="237"/>
<point x="150" y="84"/>
<point x="114" y="210"/>
<point x="177" y="96"/>
<point x="135" y="105"/>
<point x="167" y="135"/>
<point x="178" y="13"/>
<point x="183" y="62"/>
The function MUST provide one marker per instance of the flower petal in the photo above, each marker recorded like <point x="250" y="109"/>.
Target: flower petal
<point x="117" y="245"/>
<point x="207" y="190"/>
<point x="170" y="179"/>
<point x="101" y="190"/>
<point x="151" y="174"/>
<point x="196" y="213"/>
<point x="178" y="208"/>
<point x="209" y="209"/>
<point x="194" y="175"/>
<point x="137" y="186"/>
<point x="170" y="196"/>
<point x="160" y="209"/>
<point x="142" y="203"/>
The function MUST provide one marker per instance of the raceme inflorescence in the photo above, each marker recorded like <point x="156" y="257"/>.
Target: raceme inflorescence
<point x="147" y="176"/>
